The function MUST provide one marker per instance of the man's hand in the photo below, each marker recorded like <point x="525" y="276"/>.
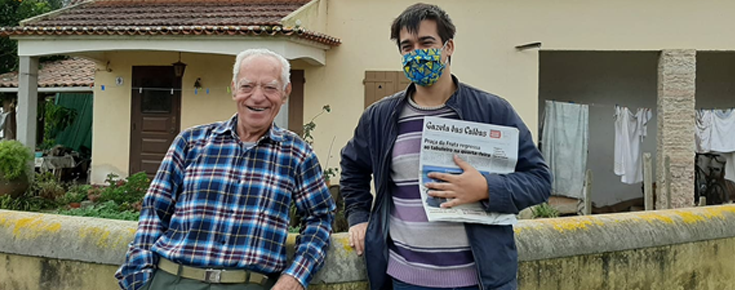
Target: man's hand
<point x="287" y="282"/>
<point x="357" y="237"/>
<point x="468" y="187"/>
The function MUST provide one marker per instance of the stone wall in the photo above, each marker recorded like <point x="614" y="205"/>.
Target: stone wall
<point x="670" y="249"/>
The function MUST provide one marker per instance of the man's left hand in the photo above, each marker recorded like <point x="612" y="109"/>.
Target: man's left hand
<point x="468" y="187"/>
<point x="287" y="282"/>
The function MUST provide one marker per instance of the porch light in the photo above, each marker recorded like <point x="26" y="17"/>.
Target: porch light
<point x="179" y="67"/>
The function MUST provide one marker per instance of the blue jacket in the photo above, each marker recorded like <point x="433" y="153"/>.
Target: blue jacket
<point x="369" y="151"/>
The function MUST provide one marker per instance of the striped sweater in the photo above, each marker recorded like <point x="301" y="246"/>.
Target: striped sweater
<point x="423" y="253"/>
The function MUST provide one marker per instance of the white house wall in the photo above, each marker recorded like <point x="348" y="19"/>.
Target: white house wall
<point x="111" y="126"/>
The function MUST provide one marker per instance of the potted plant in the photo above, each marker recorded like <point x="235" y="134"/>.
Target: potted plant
<point x="15" y="168"/>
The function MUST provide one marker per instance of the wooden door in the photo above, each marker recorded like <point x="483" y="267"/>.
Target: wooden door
<point x="155" y="116"/>
<point x="296" y="102"/>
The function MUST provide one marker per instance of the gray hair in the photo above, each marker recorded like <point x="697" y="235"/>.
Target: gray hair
<point x="253" y="52"/>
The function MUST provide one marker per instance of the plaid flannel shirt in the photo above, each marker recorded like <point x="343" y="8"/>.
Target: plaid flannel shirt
<point x="215" y="203"/>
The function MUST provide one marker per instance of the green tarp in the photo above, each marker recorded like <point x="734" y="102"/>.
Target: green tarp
<point x="79" y="134"/>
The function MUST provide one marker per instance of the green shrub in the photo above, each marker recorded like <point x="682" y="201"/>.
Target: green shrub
<point x="76" y="193"/>
<point x="120" y="199"/>
<point x="80" y="189"/>
<point x="15" y="159"/>
<point x="106" y="210"/>
<point x="544" y="210"/>
<point x="56" y="119"/>
<point x="25" y="203"/>
<point x="46" y="185"/>
<point x="125" y="191"/>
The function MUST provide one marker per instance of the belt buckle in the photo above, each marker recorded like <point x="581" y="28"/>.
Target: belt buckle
<point x="213" y="275"/>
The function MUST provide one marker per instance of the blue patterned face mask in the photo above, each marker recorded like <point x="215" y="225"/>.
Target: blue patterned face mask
<point x="424" y="66"/>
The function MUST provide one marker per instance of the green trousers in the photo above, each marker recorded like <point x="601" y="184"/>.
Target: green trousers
<point x="165" y="281"/>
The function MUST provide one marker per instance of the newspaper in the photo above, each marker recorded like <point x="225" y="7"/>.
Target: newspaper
<point x="488" y="148"/>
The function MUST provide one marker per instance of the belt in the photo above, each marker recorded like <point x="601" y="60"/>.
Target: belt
<point x="212" y="275"/>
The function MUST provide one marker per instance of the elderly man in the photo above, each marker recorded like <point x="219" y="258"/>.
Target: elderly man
<point x="217" y="213"/>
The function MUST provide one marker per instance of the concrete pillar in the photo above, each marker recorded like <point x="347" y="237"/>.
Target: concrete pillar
<point x="27" y="100"/>
<point x="676" y="121"/>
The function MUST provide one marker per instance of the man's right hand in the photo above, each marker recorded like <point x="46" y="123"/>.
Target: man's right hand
<point x="357" y="237"/>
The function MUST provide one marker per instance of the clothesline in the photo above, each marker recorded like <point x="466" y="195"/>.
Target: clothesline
<point x="604" y="105"/>
<point x="715" y="109"/>
<point x="196" y="91"/>
<point x="599" y="105"/>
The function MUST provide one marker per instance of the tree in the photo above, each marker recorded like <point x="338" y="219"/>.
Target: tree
<point x="11" y="13"/>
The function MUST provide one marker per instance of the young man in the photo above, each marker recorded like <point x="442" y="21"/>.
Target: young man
<point x="402" y="249"/>
<point x="216" y="215"/>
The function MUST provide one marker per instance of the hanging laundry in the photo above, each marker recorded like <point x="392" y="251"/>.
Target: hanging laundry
<point x="3" y="117"/>
<point x="715" y="133"/>
<point x="729" y="166"/>
<point x="723" y="131"/>
<point x="630" y="129"/>
<point x="564" y="143"/>
<point x="703" y="131"/>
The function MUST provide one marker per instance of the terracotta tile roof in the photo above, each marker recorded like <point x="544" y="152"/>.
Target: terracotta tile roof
<point x="72" y="72"/>
<point x="171" y="17"/>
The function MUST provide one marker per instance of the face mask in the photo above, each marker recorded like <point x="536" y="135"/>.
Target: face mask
<point x="424" y="66"/>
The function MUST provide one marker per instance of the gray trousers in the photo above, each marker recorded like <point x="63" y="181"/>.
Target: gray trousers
<point x="162" y="280"/>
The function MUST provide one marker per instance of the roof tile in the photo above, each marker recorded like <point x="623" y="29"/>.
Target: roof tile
<point x="172" y="17"/>
<point x="173" y="13"/>
<point x="72" y="72"/>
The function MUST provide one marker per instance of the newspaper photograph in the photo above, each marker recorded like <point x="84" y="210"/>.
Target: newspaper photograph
<point x="488" y="148"/>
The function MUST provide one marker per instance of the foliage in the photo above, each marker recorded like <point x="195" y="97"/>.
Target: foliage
<point x="47" y="186"/>
<point x="120" y="199"/>
<point x="294" y="230"/>
<point x="107" y="210"/>
<point x="309" y="138"/>
<point x="46" y="144"/>
<point x="77" y="193"/>
<point x="15" y="159"/>
<point x="56" y="119"/>
<point x="26" y="202"/>
<point x="339" y="224"/>
<point x="11" y="13"/>
<point x="329" y="173"/>
<point x="123" y="191"/>
<point x="544" y="210"/>
<point x="309" y="127"/>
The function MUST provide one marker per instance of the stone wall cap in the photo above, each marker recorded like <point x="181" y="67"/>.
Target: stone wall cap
<point x="106" y="241"/>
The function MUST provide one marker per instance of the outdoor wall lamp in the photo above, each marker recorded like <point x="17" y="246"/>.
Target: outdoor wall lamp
<point x="179" y="67"/>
